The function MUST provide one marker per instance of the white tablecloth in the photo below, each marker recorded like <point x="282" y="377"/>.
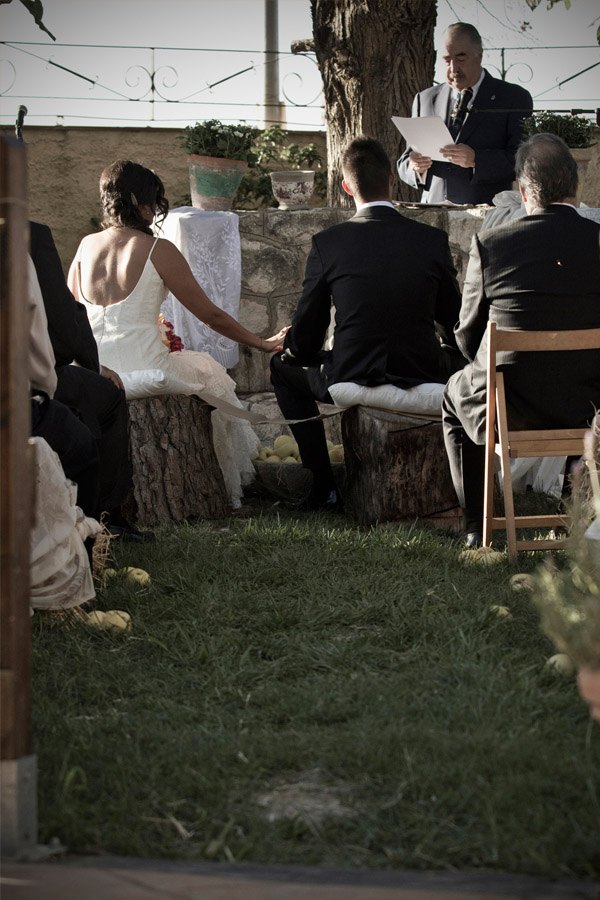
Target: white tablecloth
<point x="210" y="241"/>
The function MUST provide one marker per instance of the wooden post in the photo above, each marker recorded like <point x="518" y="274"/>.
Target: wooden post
<point x="18" y="764"/>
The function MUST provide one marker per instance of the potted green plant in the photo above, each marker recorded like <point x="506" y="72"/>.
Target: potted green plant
<point x="281" y="171"/>
<point x="575" y="131"/>
<point x="218" y="159"/>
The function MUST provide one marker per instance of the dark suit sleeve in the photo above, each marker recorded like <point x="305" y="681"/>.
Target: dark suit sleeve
<point x="447" y="308"/>
<point x="408" y="175"/>
<point x="474" y="312"/>
<point x="311" y="319"/>
<point x="70" y="332"/>
<point x="499" y="164"/>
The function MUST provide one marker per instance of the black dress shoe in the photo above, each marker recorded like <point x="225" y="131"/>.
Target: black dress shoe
<point x="129" y="533"/>
<point x="328" y="502"/>
<point x="473" y="540"/>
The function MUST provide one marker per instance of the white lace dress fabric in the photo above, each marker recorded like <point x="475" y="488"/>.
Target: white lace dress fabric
<point x="129" y="340"/>
<point x="59" y="565"/>
<point x="210" y="241"/>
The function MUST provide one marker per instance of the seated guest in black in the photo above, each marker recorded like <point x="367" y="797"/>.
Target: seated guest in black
<point x="70" y="439"/>
<point x="94" y="393"/>
<point x="538" y="272"/>
<point x="393" y="286"/>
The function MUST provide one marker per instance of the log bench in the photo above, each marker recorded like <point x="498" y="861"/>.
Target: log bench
<point x="396" y="469"/>
<point x="176" y="474"/>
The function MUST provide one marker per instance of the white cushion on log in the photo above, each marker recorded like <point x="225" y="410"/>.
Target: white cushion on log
<point x="422" y="399"/>
<point x="143" y="383"/>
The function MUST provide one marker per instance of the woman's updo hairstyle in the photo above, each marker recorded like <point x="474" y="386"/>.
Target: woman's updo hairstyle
<point x="126" y="186"/>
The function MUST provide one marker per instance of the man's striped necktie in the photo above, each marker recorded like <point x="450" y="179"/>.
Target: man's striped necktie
<point x="459" y="113"/>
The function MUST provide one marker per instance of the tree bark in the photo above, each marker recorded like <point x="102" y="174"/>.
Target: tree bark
<point x="396" y="467"/>
<point x="373" y="55"/>
<point x="176" y="474"/>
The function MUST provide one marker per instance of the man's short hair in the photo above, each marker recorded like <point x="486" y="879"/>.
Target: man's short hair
<point x="546" y="169"/>
<point x="367" y="168"/>
<point x="468" y="31"/>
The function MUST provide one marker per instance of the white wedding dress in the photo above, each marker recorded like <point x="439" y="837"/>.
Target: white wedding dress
<point x="128" y="340"/>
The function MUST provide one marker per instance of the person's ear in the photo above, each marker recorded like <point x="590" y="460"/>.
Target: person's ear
<point x="346" y="188"/>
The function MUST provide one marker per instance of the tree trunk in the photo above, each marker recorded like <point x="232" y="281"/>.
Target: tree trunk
<point x="374" y="55"/>
<point x="396" y="467"/>
<point x="176" y="475"/>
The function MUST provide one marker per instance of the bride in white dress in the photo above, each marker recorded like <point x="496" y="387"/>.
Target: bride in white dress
<point x="123" y="274"/>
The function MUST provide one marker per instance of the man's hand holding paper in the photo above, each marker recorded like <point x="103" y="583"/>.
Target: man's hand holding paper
<point x="459" y="154"/>
<point x="419" y="163"/>
<point x="425" y="135"/>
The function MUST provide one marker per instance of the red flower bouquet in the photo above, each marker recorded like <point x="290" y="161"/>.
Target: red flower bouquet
<point x="171" y="340"/>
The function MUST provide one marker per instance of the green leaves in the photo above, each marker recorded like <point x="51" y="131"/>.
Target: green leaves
<point x="212" y="138"/>
<point x="575" y="131"/>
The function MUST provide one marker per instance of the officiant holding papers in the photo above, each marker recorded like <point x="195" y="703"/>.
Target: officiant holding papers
<point x="484" y="116"/>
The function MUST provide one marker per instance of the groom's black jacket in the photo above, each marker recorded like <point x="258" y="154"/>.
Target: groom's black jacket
<point x="393" y="285"/>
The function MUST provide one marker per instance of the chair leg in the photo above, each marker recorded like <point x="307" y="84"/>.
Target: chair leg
<point x="509" y="508"/>
<point x="507" y="484"/>
<point x="488" y="496"/>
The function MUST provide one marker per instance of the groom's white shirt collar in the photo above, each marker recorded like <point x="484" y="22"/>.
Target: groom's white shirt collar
<point x="360" y="206"/>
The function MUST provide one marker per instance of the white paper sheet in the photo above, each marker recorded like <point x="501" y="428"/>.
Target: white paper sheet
<point x="425" y="134"/>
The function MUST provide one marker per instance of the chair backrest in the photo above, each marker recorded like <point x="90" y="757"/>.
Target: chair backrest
<point x="531" y="341"/>
<point x="504" y="339"/>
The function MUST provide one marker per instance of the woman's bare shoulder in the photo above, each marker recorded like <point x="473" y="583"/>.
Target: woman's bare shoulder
<point x="165" y="250"/>
<point x="165" y="245"/>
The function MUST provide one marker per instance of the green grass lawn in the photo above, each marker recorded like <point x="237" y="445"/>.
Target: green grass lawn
<point x="357" y="676"/>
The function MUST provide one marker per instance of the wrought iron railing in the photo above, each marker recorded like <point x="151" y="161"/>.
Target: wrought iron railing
<point x="154" y="86"/>
<point x="159" y="86"/>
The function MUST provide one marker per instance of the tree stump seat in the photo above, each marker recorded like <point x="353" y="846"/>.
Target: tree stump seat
<point x="176" y="474"/>
<point x="396" y="469"/>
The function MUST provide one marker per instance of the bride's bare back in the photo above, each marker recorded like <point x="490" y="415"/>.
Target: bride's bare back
<point x="109" y="264"/>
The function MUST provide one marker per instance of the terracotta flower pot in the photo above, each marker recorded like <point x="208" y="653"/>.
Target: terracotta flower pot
<point x="293" y="189"/>
<point x="214" y="182"/>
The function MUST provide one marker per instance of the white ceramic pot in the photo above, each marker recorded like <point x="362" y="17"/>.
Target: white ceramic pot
<point x="293" y="189"/>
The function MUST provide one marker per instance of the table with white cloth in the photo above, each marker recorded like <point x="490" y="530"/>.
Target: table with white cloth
<point x="210" y="241"/>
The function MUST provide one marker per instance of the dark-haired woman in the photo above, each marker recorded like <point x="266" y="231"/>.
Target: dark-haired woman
<point x="123" y="273"/>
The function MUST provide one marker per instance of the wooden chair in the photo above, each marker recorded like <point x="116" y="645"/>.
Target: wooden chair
<point x="516" y="444"/>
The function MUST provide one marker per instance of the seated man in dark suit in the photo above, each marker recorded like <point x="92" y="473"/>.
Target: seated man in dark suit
<point x="95" y="394"/>
<point x="485" y="118"/>
<point x="51" y="420"/>
<point x="538" y="272"/>
<point x="393" y="285"/>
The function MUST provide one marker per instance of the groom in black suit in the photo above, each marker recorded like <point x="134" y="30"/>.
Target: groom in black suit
<point x="538" y="272"/>
<point x="485" y="118"/>
<point x="393" y="285"/>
